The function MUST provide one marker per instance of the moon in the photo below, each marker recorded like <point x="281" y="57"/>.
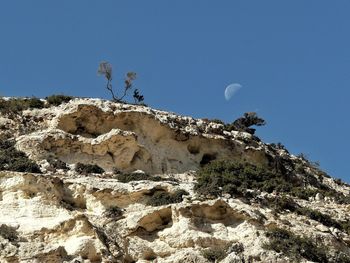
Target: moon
<point x="232" y="90"/>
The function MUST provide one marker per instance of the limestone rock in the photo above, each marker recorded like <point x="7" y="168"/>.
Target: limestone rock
<point x="63" y="216"/>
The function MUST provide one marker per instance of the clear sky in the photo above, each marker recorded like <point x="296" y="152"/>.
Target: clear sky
<point x="292" y="59"/>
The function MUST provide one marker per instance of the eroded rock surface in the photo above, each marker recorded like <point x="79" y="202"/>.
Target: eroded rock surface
<point x="63" y="216"/>
<point x="129" y="137"/>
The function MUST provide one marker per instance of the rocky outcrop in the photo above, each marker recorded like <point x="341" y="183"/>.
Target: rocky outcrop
<point x="63" y="216"/>
<point x="128" y="138"/>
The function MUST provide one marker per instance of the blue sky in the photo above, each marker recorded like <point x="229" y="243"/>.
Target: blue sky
<point x="292" y="59"/>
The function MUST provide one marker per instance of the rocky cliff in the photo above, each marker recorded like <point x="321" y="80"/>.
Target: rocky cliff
<point x="124" y="183"/>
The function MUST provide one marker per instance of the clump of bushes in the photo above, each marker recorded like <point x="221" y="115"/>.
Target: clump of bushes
<point x="235" y="178"/>
<point x="295" y="247"/>
<point x="56" y="100"/>
<point x="280" y="204"/>
<point x="82" y="168"/>
<point x="13" y="160"/>
<point x="125" y="178"/>
<point x="318" y="216"/>
<point x="17" y="105"/>
<point x="164" y="198"/>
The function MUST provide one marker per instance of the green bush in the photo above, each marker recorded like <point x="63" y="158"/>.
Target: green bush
<point x="295" y="247"/>
<point x="235" y="178"/>
<point x="9" y="233"/>
<point x="35" y="103"/>
<point x="113" y="212"/>
<point x="17" y="105"/>
<point x="280" y="204"/>
<point x="13" y="160"/>
<point x="320" y="217"/>
<point x="58" y="164"/>
<point x="214" y="254"/>
<point x="340" y="257"/>
<point x="164" y="198"/>
<point x="304" y="193"/>
<point x="82" y="168"/>
<point x="125" y="178"/>
<point x="57" y="100"/>
<point x="218" y="253"/>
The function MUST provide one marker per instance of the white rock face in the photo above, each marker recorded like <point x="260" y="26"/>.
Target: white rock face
<point x="129" y="137"/>
<point x="63" y="216"/>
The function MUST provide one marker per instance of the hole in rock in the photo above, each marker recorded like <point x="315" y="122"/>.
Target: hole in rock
<point x="154" y="222"/>
<point x="207" y="158"/>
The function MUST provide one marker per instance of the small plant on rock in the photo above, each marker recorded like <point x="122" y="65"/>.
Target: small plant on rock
<point x="9" y="233"/>
<point x="244" y="123"/>
<point x="105" y="69"/>
<point x="216" y="254"/>
<point x="13" y="160"/>
<point x="82" y="168"/>
<point x="113" y="212"/>
<point x="164" y="198"/>
<point x="57" y="100"/>
<point x="295" y="247"/>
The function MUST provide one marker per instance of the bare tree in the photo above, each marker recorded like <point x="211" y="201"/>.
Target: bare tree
<point x="105" y="69"/>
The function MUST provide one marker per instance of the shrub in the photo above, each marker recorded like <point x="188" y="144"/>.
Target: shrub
<point x="13" y="160"/>
<point x="214" y="254"/>
<point x="9" y="233"/>
<point x="164" y="198"/>
<point x="293" y="246"/>
<point x="279" y="146"/>
<point x="125" y="178"/>
<point x="105" y="69"/>
<point x="244" y="123"/>
<point x="35" y="103"/>
<point x="235" y="178"/>
<point x="320" y="217"/>
<point x="113" y="212"/>
<point x="57" y="100"/>
<point x="238" y="248"/>
<point x="82" y="168"/>
<point x="280" y="204"/>
<point x="17" y="105"/>
<point x="340" y="257"/>
<point x="304" y="193"/>
<point x="58" y="164"/>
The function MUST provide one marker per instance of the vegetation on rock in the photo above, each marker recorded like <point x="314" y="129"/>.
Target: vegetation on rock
<point x="129" y="177"/>
<point x="13" y="160"/>
<point x="105" y="69"/>
<point x="237" y="178"/>
<point x="295" y="247"/>
<point x="82" y="168"/>
<point x="57" y="100"/>
<point x="164" y="198"/>
<point x="16" y="105"/>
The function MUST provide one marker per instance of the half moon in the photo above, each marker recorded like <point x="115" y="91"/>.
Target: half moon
<point x="232" y="90"/>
